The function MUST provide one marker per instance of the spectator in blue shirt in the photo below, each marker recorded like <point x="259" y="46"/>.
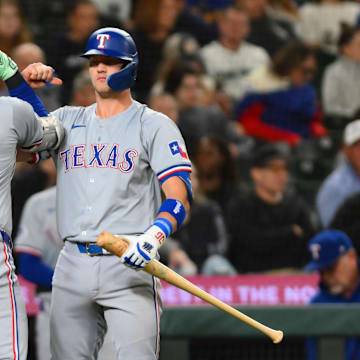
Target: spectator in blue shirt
<point x="344" y="181"/>
<point x="336" y="260"/>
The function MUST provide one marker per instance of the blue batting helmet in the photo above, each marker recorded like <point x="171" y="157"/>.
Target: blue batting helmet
<point x="119" y="44"/>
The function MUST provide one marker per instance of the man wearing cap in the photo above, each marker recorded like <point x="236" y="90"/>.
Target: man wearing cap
<point x="269" y="226"/>
<point x="344" y="181"/>
<point x="334" y="257"/>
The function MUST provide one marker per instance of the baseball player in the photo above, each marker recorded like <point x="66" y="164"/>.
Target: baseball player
<point x="38" y="245"/>
<point x="20" y="126"/>
<point x="117" y="157"/>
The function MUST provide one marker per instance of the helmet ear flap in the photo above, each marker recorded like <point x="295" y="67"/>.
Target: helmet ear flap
<point x="123" y="79"/>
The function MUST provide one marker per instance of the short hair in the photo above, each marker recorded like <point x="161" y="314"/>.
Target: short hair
<point x="234" y="7"/>
<point x="266" y="153"/>
<point x="290" y="57"/>
<point x="73" y="5"/>
<point x="177" y="73"/>
<point x="347" y="34"/>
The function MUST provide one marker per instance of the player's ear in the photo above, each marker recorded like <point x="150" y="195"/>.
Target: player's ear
<point x="352" y="255"/>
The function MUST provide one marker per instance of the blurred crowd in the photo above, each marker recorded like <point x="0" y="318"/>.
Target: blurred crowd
<point x="265" y="93"/>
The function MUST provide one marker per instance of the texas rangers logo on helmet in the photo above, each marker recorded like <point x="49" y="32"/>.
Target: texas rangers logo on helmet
<point x="102" y="38"/>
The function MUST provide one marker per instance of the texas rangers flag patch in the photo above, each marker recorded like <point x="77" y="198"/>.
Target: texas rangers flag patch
<point x="177" y="148"/>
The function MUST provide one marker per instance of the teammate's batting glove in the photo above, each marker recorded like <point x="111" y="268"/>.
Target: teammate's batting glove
<point x="8" y="67"/>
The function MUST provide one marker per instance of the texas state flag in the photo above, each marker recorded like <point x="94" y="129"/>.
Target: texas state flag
<point x="177" y="148"/>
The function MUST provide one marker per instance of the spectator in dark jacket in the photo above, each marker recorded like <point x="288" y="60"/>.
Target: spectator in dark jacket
<point x="269" y="227"/>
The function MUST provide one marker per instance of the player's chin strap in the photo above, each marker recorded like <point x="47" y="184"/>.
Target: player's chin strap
<point x="162" y="227"/>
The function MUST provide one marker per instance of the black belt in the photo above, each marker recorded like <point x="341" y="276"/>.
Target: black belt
<point x="92" y="249"/>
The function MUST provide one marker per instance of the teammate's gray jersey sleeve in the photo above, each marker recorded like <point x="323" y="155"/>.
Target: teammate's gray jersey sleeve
<point x="26" y="124"/>
<point x="29" y="238"/>
<point x="19" y="126"/>
<point x="37" y="233"/>
<point x="165" y="145"/>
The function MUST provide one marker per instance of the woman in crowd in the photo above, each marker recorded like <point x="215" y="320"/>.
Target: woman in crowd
<point x="280" y="103"/>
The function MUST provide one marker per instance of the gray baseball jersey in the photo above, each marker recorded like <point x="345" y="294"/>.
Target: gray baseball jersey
<point x="109" y="173"/>
<point x="19" y="126"/>
<point x="38" y="233"/>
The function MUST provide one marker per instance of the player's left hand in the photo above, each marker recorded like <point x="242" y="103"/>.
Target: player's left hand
<point x="38" y="75"/>
<point x="142" y="249"/>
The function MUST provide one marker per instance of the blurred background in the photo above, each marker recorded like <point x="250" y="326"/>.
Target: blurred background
<point x="266" y="94"/>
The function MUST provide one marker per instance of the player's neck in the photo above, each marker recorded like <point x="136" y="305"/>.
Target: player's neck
<point x="106" y="107"/>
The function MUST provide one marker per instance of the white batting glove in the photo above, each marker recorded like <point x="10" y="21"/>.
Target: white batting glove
<point x="142" y="249"/>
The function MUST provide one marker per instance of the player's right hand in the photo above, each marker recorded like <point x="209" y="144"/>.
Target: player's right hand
<point x="142" y="249"/>
<point x="38" y="75"/>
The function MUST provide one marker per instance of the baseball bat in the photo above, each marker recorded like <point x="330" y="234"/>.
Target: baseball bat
<point x="117" y="246"/>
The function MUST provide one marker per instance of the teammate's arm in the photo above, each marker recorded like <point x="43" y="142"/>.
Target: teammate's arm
<point x="53" y="132"/>
<point x="22" y="156"/>
<point x="17" y="86"/>
<point x="29" y="245"/>
<point x="33" y="269"/>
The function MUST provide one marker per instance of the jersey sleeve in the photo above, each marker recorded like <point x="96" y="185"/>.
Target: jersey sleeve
<point x="165" y="147"/>
<point x="26" y="125"/>
<point x="29" y="238"/>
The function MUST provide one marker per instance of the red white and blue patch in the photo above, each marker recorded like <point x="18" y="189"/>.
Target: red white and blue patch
<point x="178" y="148"/>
